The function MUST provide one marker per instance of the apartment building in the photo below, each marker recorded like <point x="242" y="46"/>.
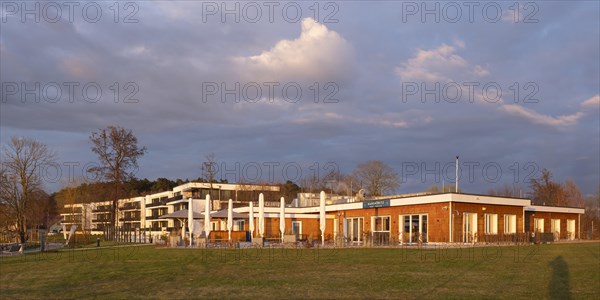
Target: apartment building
<point x="145" y="212"/>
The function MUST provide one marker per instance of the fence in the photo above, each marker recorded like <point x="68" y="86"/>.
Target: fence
<point x="128" y="235"/>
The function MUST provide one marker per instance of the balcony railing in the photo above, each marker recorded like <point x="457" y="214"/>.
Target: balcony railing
<point x="157" y="203"/>
<point x="100" y="220"/>
<point x="160" y="228"/>
<point x="68" y="210"/>
<point x="178" y="197"/>
<point x="102" y="209"/>
<point x="129" y="206"/>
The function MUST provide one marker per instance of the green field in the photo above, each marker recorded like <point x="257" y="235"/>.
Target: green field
<point x="555" y="271"/>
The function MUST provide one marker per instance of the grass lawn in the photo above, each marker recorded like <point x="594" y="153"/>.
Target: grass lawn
<point x="540" y="271"/>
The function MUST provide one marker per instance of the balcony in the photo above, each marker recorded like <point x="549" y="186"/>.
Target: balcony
<point x="68" y="210"/>
<point x="130" y="219"/>
<point x="152" y="217"/>
<point x="101" y="209"/>
<point x="178" y="197"/>
<point x="131" y="206"/>
<point x="162" y="202"/>
<point x="101" y="220"/>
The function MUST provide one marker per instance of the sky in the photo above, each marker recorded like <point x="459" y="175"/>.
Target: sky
<point x="278" y="91"/>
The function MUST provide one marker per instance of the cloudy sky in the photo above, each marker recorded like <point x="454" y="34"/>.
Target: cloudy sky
<point x="276" y="89"/>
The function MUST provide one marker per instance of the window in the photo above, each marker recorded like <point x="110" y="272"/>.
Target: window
<point x="297" y="228"/>
<point x="413" y="228"/>
<point x="239" y="225"/>
<point x="225" y="194"/>
<point x="538" y="225"/>
<point x="491" y="224"/>
<point x="510" y="224"/>
<point x="381" y="224"/>
<point x="353" y="228"/>
<point x="203" y="193"/>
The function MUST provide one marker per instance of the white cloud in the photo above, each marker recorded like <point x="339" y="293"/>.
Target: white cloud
<point x="592" y="102"/>
<point x="318" y="54"/>
<point x="538" y="118"/>
<point x="441" y="64"/>
<point x="390" y="119"/>
<point x="135" y="51"/>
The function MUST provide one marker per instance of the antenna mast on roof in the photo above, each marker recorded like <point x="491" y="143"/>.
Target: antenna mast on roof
<point x="456" y="182"/>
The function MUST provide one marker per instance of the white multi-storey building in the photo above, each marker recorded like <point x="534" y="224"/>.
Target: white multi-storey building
<point x="145" y="212"/>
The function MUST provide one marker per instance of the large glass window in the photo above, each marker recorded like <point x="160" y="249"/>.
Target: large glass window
<point x="353" y="228"/>
<point x="414" y="228"/>
<point x="538" y="225"/>
<point x="239" y="225"/>
<point x="226" y="194"/>
<point x="381" y="223"/>
<point x="510" y="224"/>
<point x="380" y="226"/>
<point x="491" y="224"/>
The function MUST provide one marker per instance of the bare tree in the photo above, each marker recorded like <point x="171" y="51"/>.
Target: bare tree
<point x="506" y="191"/>
<point x="38" y="211"/>
<point x="209" y="174"/>
<point x="376" y="177"/>
<point x="433" y="189"/>
<point x="572" y="195"/>
<point x="7" y="226"/>
<point x="546" y="191"/>
<point x="117" y="149"/>
<point x="311" y="184"/>
<point x="209" y="170"/>
<point x="590" y="221"/>
<point x="21" y="182"/>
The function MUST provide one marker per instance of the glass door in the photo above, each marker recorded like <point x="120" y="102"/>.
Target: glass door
<point x="469" y="228"/>
<point x="414" y="229"/>
<point x="555" y="224"/>
<point x="571" y="229"/>
<point x="297" y="229"/>
<point x="355" y="229"/>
